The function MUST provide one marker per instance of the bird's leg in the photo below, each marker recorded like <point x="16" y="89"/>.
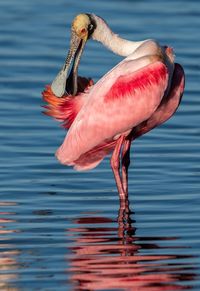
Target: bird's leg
<point x="125" y="163"/>
<point x="123" y="220"/>
<point x="115" y="165"/>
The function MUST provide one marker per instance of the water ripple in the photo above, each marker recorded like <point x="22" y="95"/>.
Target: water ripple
<point x="59" y="229"/>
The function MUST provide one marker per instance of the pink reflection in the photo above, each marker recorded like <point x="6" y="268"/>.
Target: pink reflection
<point x="106" y="257"/>
<point x="8" y="259"/>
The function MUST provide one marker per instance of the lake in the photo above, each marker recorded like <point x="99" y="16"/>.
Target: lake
<point x="61" y="229"/>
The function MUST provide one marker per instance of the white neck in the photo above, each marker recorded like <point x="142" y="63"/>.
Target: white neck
<point x="112" y="41"/>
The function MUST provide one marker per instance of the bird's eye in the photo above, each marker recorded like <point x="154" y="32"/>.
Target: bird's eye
<point x="83" y="31"/>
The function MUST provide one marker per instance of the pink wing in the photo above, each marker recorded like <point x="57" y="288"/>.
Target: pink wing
<point x="117" y="103"/>
<point x="165" y="110"/>
<point x="168" y="105"/>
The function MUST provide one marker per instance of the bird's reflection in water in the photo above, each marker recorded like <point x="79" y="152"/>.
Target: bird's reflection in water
<point x="8" y="255"/>
<point x="105" y="257"/>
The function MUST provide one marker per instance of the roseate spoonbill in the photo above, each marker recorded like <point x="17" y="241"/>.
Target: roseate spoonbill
<point x="138" y="94"/>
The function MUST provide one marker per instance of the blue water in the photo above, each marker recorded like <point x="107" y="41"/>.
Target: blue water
<point x="59" y="228"/>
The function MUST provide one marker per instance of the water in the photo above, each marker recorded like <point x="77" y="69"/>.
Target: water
<point x="59" y="229"/>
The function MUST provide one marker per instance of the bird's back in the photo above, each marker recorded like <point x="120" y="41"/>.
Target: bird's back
<point x="117" y="103"/>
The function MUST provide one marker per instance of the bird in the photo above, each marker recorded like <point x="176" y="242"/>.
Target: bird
<point x="140" y="93"/>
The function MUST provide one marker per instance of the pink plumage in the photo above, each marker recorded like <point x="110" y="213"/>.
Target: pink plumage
<point x="140" y="93"/>
<point x="66" y="109"/>
<point x="99" y="120"/>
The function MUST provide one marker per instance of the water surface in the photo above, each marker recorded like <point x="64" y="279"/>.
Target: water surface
<point x="61" y="229"/>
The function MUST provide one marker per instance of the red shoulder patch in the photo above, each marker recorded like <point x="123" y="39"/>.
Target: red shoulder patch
<point x="140" y="79"/>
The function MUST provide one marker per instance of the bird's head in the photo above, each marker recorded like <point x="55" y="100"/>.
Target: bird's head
<point x="82" y="28"/>
<point x="83" y="25"/>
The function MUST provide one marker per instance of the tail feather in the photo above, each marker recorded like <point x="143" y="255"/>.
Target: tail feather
<point x="62" y="109"/>
<point x="66" y="108"/>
